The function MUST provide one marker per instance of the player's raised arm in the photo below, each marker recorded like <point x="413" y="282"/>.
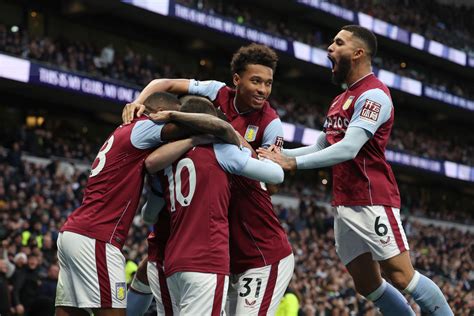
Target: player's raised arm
<point x="320" y="144"/>
<point x="208" y="89"/>
<point x="136" y="108"/>
<point x="359" y="131"/>
<point x="239" y="161"/>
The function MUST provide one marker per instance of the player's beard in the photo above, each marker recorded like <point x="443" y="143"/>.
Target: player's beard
<point x="344" y="66"/>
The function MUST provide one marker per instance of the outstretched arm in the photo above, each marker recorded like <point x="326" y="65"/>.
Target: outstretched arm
<point x="239" y="161"/>
<point x="321" y="143"/>
<point x="176" y="86"/>
<point x="346" y="149"/>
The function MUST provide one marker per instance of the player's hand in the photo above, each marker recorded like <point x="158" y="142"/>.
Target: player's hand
<point x="204" y="139"/>
<point x="274" y="148"/>
<point x="162" y="116"/>
<point x="287" y="163"/>
<point x="128" y="112"/>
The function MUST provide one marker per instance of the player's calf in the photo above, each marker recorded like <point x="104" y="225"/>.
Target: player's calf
<point x="139" y="294"/>
<point x="428" y="296"/>
<point x="424" y="291"/>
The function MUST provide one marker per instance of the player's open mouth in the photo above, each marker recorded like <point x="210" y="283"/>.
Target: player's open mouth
<point x="259" y="98"/>
<point x="333" y="62"/>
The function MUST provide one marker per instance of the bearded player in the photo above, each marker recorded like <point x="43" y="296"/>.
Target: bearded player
<point x="367" y="226"/>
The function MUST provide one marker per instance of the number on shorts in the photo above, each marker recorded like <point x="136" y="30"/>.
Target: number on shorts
<point x="174" y="181"/>
<point x="380" y="229"/>
<point x="101" y="157"/>
<point x="248" y="289"/>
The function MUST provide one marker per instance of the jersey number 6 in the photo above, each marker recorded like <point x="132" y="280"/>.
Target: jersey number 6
<point x="174" y="181"/>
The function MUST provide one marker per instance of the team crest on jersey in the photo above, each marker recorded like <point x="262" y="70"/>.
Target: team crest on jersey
<point x="120" y="290"/>
<point x="251" y="133"/>
<point x="348" y="103"/>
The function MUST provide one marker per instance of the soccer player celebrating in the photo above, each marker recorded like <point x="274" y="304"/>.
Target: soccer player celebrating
<point x="92" y="267"/>
<point x="197" y="192"/>
<point x="368" y="231"/>
<point x="261" y="258"/>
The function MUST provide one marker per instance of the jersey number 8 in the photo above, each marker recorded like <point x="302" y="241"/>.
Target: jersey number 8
<point x="174" y="181"/>
<point x="101" y="157"/>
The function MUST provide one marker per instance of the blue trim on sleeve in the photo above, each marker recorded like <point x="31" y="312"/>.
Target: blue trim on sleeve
<point x="272" y="131"/>
<point x="146" y="134"/>
<point x="208" y="89"/>
<point x="231" y="158"/>
<point x="371" y="110"/>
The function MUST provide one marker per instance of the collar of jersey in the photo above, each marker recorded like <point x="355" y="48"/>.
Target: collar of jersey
<point x="237" y="110"/>
<point x="355" y="84"/>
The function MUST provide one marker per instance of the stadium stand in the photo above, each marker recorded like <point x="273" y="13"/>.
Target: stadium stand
<point x="135" y="68"/>
<point x="46" y="150"/>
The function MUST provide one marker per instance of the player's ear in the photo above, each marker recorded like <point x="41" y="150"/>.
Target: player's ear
<point x="236" y="79"/>
<point x="358" y="53"/>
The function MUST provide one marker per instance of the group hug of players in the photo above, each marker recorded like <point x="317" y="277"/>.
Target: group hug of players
<point x="217" y="245"/>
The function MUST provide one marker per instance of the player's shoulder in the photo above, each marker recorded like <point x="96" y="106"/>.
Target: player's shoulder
<point x="269" y="112"/>
<point x="376" y="83"/>
<point x="376" y="94"/>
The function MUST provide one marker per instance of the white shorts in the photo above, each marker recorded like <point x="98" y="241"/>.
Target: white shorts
<point x="195" y="293"/>
<point x="159" y="288"/>
<point x="91" y="273"/>
<point x="375" y="229"/>
<point x="259" y="291"/>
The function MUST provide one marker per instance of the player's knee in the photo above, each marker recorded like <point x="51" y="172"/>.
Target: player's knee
<point x="400" y="280"/>
<point x="365" y="288"/>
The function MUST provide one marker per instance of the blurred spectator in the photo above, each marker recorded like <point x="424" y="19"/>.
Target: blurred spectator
<point x="106" y="57"/>
<point x="26" y="281"/>
<point x="4" y="291"/>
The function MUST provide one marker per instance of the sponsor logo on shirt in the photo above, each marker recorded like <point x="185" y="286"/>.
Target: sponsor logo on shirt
<point x="279" y="142"/>
<point x="120" y="290"/>
<point x="251" y="133"/>
<point x="250" y="303"/>
<point x="385" y="242"/>
<point x="370" y="111"/>
<point x="348" y="103"/>
<point x="337" y="122"/>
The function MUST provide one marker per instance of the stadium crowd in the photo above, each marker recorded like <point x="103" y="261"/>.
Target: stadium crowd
<point x="124" y="64"/>
<point x="284" y="26"/>
<point x="445" y="23"/>
<point x="35" y="201"/>
<point x="138" y="69"/>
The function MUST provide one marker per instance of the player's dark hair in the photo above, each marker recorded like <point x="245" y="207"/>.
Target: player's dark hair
<point x="369" y="38"/>
<point x="161" y="100"/>
<point x="195" y="104"/>
<point x="253" y="54"/>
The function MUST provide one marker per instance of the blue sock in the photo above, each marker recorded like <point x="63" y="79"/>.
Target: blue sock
<point x="428" y="296"/>
<point x="390" y="301"/>
<point x="138" y="303"/>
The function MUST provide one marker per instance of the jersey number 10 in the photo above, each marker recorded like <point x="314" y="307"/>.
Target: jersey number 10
<point x="174" y="180"/>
